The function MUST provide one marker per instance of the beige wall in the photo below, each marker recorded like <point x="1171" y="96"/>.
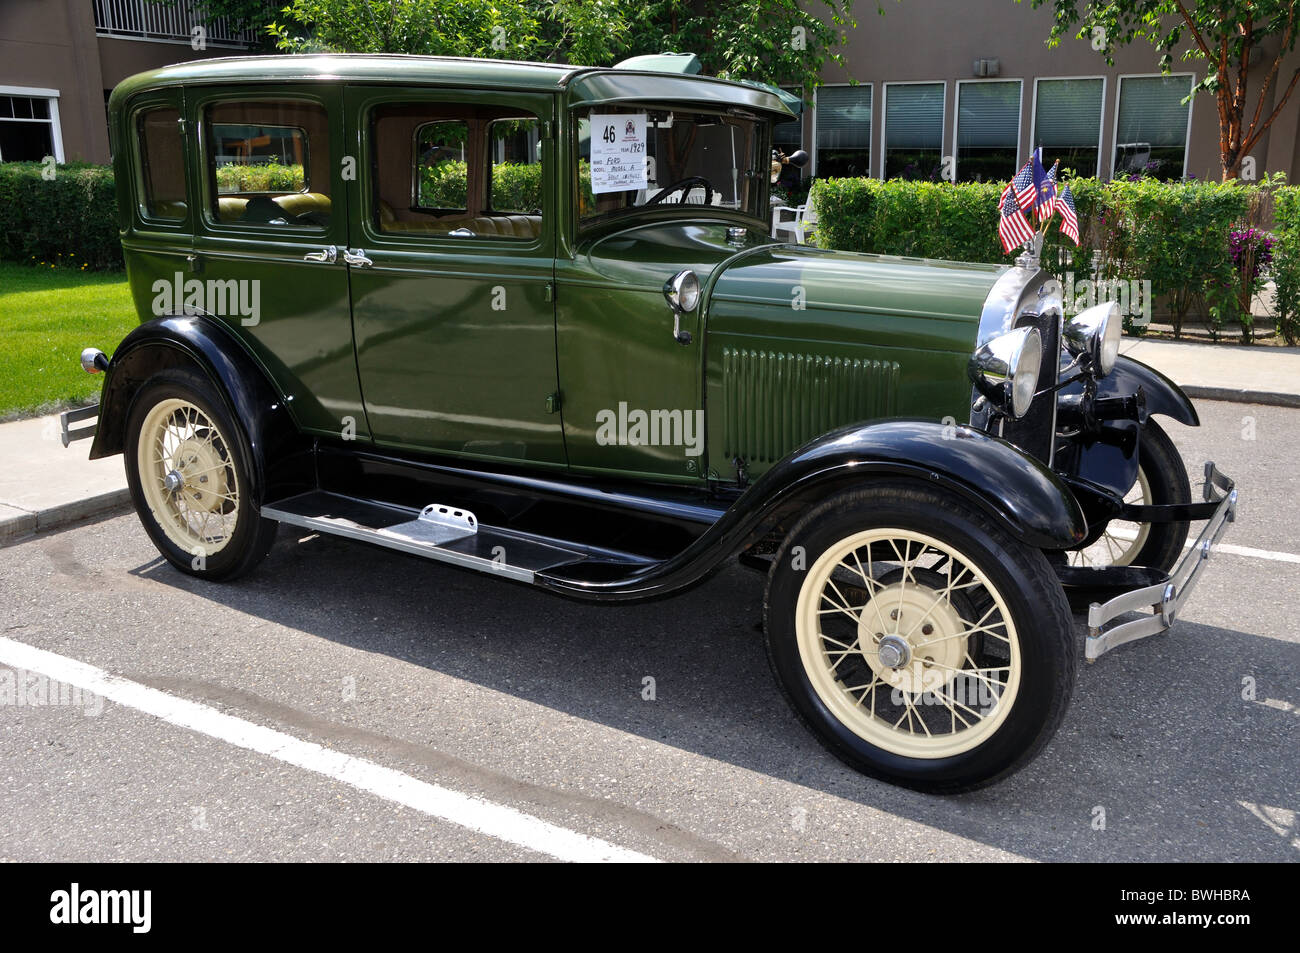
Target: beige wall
<point x="941" y="39"/>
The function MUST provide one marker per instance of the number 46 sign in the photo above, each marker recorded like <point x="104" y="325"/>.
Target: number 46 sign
<point x="618" y="152"/>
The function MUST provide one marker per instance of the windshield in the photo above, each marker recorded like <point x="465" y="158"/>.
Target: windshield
<point x="632" y="157"/>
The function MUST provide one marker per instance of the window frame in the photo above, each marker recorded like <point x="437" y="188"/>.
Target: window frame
<point x="871" y="128"/>
<point x="1101" y="117"/>
<point x="884" y="116"/>
<point x="415" y="168"/>
<point x="306" y="163"/>
<point x="139" y="165"/>
<point x="51" y="96"/>
<point x="956" y="121"/>
<point x="206" y="185"/>
<point x="1119" y="95"/>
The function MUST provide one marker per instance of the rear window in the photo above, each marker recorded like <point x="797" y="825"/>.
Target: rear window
<point x="162" y="165"/>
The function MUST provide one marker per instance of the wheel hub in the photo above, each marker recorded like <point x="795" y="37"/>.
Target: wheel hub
<point x="202" y="473"/>
<point x="912" y="637"/>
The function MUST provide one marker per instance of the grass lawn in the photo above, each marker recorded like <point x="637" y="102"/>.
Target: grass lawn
<point x="47" y="315"/>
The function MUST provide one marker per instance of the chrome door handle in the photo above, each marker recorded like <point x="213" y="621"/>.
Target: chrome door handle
<point x="328" y="256"/>
<point x="357" y="258"/>
<point x="461" y="233"/>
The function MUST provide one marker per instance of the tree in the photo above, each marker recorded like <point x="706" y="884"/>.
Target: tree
<point x="774" y="41"/>
<point x="1233" y="37"/>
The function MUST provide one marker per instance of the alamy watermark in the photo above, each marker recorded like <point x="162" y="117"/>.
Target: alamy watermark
<point x="651" y="428"/>
<point x="226" y="298"/>
<point x="20" y="688"/>
<point x="1133" y="297"/>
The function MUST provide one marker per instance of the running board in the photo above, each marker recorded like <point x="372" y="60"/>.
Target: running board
<point x="443" y="533"/>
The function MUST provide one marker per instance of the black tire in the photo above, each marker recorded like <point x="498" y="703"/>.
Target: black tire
<point x="240" y="536"/>
<point x="1028" y="588"/>
<point x="1163" y="467"/>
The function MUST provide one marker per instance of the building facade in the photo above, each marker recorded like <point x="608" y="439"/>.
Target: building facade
<point x="59" y="59"/>
<point x="966" y="89"/>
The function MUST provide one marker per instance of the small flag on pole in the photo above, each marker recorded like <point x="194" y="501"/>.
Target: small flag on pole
<point x="1069" y="216"/>
<point x="1044" y="187"/>
<point x="1012" y="227"/>
<point x="1023" y="185"/>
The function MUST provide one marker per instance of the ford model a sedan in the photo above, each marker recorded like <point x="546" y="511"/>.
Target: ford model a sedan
<point x="526" y="319"/>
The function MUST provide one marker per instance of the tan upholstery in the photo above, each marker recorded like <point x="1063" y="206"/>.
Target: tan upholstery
<point x="526" y="227"/>
<point x="230" y="208"/>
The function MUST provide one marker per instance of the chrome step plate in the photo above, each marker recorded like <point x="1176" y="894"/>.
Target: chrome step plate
<point x="436" y="524"/>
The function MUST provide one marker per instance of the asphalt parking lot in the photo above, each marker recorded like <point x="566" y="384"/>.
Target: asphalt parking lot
<point x="421" y="683"/>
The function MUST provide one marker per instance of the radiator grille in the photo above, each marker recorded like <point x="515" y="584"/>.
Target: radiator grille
<point x="774" y="401"/>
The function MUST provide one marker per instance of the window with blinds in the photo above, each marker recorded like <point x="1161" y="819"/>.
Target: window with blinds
<point x="988" y="130"/>
<point x="1151" y="129"/>
<point x="1067" y="122"/>
<point x="843" y="123"/>
<point x="913" y="130"/>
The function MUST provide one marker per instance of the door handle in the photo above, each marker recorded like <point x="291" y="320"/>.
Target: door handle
<point x="461" y="233"/>
<point x="327" y="256"/>
<point x="357" y="258"/>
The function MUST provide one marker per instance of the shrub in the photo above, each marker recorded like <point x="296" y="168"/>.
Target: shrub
<point x="69" y="218"/>
<point x="267" y="177"/>
<point x="516" y="186"/>
<point x="1286" y="262"/>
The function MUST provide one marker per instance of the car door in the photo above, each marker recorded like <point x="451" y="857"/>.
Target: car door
<point x="452" y="295"/>
<point x="267" y="239"/>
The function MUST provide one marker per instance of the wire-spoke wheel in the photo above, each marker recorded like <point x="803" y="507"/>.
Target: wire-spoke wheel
<point x="189" y="475"/>
<point x="917" y="639"/>
<point x="1161" y="480"/>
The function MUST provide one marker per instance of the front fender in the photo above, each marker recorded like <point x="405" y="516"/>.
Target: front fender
<point x="203" y="344"/>
<point x="1013" y="488"/>
<point x="1163" y="396"/>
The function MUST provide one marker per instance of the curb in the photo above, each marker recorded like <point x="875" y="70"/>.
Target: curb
<point x="1236" y="396"/>
<point x="16" y="528"/>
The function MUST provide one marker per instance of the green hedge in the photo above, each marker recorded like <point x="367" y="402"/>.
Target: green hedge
<point x="1286" y="262"/>
<point x="267" y="177"/>
<point x="1174" y="234"/>
<point x="70" y="219"/>
<point x="516" y="186"/>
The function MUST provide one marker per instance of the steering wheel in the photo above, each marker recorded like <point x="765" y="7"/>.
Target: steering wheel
<point x="684" y="186"/>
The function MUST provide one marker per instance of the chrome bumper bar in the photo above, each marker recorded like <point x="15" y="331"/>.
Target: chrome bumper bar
<point x="70" y="417"/>
<point x="1165" y="599"/>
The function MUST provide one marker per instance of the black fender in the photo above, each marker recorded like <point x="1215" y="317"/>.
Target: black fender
<point x="1013" y="488"/>
<point x="279" y="452"/>
<point x="1163" y="396"/>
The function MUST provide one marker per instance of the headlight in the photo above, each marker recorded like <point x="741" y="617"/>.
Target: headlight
<point x="1005" y="370"/>
<point x="683" y="291"/>
<point x="1094" y="334"/>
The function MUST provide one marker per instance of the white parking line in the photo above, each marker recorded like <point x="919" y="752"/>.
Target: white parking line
<point x="468" y="811"/>
<point x="1227" y="548"/>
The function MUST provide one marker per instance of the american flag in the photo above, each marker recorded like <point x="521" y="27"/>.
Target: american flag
<point x="1045" y="184"/>
<point x="1069" y="217"/>
<point x="1012" y="227"/>
<point x="1023" y="185"/>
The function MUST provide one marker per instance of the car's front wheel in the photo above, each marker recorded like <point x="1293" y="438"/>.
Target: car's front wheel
<point x="919" y="641"/>
<point x="191" y="480"/>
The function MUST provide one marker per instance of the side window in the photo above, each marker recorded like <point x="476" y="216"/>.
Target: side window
<point x="441" y="167"/>
<point x="268" y="163"/>
<point x="515" y="171"/>
<point x="162" y="165"/>
<point x="453" y="167"/>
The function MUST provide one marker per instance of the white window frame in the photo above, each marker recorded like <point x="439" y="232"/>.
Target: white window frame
<point x="1119" y="93"/>
<point x="1020" y="119"/>
<point x="52" y="95"/>
<point x="884" y="116"/>
<point x="871" y="133"/>
<point x="1101" y="121"/>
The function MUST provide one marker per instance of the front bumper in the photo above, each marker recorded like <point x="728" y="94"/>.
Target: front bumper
<point x="1165" y="598"/>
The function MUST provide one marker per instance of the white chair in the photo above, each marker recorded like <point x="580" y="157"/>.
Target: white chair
<point x="805" y="217"/>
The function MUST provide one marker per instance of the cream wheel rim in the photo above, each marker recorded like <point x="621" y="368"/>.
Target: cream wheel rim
<point x="908" y="643"/>
<point x="1122" y="541"/>
<point x="187" y="476"/>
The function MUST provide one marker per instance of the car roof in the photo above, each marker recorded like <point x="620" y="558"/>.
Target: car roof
<point x="581" y="83"/>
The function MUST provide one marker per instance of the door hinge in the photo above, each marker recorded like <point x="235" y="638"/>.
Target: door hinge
<point x="180" y="125"/>
<point x="553" y="402"/>
<point x="548" y="130"/>
<point x="549" y="293"/>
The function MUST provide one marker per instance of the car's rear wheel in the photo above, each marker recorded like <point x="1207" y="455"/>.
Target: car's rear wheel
<point x="919" y="641"/>
<point x="191" y="480"/>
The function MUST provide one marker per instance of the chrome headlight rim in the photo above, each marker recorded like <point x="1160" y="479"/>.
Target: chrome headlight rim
<point x="1094" y="336"/>
<point x="1005" y="370"/>
<point x="683" y="291"/>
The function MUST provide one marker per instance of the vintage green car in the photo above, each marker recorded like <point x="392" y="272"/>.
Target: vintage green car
<point x="526" y="319"/>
